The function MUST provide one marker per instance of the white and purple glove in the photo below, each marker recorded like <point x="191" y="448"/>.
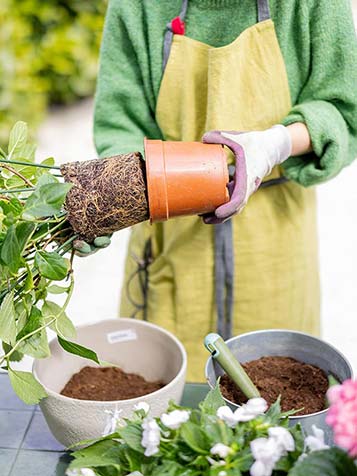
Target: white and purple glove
<point x="256" y="153"/>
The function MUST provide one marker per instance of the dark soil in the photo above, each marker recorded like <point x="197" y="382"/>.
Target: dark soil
<point x="108" y="383"/>
<point x="108" y="194"/>
<point x="300" y="385"/>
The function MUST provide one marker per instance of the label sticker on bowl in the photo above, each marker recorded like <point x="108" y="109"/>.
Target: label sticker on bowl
<point x="121" y="336"/>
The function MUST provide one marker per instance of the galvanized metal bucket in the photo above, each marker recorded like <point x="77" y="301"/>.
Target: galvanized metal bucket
<point x="300" y="346"/>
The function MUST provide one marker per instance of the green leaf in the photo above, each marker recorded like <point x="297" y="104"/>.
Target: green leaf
<point x="37" y="345"/>
<point x="45" y="179"/>
<point x="18" y="138"/>
<point x="63" y="325"/>
<point x="46" y="201"/>
<point x="21" y="313"/>
<point x="13" y="206"/>
<point x="213" y="401"/>
<point x="23" y="233"/>
<point x="331" y="462"/>
<point x="54" y="289"/>
<point x="28" y="152"/>
<point x="26" y="386"/>
<point x="51" y="265"/>
<point x="332" y="381"/>
<point x="77" y="349"/>
<point x="132" y="435"/>
<point x="15" y="356"/>
<point x="103" y="453"/>
<point x="28" y="284"/>
<point x="48" y="161"/>
<point x="32" y="323"/>
<point x="195" y="437"/>
<point x="10" y="250"/>
<point x="8" y="319"/>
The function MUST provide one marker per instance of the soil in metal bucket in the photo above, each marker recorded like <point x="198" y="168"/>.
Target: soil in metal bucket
<point x="107" y="384"/>
<point x="301" y="386"/>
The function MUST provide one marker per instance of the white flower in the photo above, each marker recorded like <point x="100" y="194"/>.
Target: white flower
<point x="283" y="438"/>
<point x="256" y="406"/>
<point x="150" y="437"/>
<point x="213" y="462"/>
<point x="259" y="468"/>
<point x="222" y="473"/>
<point x="246" y="412"/>
<point x="113" y="421"/>
<point x="174" y="419"/>
<point x="80" y="472"/>
<point x="142" y="406"/>
<point x="221" y="450"/>
<point x="268" y="451"/>
<point x="225" y="413"/>
<point x="316" y="441"/>
<point x="265" y="449"/>
<point x="135" y="473"/>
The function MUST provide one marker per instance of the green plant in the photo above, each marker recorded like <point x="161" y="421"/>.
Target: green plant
<point x="48" y="54"/>
<point x="35" y="239"/>
<point x="205" y="442"/>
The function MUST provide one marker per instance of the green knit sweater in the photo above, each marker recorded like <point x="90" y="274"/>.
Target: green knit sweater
<point x="318" y="43"/>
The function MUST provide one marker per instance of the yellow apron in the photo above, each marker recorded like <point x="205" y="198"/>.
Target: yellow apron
<point x="171" y="266"/>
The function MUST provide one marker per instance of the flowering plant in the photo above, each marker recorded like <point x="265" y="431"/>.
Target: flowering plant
<point x="211" y="440"/>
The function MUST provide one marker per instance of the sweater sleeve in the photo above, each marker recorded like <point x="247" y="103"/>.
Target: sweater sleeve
<point x="123" y="114"/>
<point x="328" y="101"/>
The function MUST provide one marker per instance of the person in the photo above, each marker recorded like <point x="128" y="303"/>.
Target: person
<point x="273" y="81"/>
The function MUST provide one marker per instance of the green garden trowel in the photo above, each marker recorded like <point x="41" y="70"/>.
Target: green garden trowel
<point x="221" y="352"/>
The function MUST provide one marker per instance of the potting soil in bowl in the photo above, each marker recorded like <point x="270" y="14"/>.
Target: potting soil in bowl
<point x="301" y="386"/>
<point x="108" y="384"/>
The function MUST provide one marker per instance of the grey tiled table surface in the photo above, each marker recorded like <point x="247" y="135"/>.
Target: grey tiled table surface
<point x="27" y="447"/>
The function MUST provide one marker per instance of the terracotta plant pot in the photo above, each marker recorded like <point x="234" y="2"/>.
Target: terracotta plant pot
<point x="184" y="178"/>
<point x="136" y="347"/>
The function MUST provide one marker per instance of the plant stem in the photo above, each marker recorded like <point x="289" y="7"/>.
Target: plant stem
<point x="39" y="238"/>
<point x="30" y="164"/>
<point x="18" y="190"/>
<point x="68" y="242"/>
<point x="15" y="172"/>
<point x="27" y="336"/>
<point x="30" y="334"/>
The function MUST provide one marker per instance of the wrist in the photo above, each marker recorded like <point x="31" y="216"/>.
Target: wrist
<point x="300" y="139"/>
<point x="280" y="141"/>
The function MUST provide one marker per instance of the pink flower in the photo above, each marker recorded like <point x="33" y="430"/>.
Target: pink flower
<point x="342" y="415"/>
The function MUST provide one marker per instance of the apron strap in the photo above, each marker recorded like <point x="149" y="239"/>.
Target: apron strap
<point x="175" y="27"/>
<point x="224" y="275"/>
<point x="263" y="10"/>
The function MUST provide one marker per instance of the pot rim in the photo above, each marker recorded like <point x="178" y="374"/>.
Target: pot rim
<point x="273" y="331"/>
<point x="172" y="382"/>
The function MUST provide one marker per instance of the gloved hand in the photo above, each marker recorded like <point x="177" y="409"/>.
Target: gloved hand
<point x="256" y="153"/>
<point x="83" y="248"/>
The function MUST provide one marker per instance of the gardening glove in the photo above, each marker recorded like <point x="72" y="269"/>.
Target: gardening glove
<point x="84" y="249"/>
<point x="256" y="153"/>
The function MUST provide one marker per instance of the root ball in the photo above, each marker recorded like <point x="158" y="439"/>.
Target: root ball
<point x="108" y="194"/>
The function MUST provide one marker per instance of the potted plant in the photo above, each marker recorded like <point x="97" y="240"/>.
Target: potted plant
<point x="141" y="362"/>
<point x="215" y="441"/>
<point x="292" y="364"/>
<point x="45" y="208"/>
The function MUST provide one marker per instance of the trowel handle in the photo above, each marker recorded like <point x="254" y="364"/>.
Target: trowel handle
<point x="221" y="352"/>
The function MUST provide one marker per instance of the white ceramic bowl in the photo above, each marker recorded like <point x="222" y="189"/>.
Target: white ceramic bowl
<point x="135" y="346"/>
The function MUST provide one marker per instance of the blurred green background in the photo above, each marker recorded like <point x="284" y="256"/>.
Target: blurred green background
<point x="48" y="55"/>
